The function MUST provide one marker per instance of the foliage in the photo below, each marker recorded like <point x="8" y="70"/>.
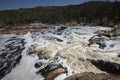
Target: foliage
<point x="91" y="12"/>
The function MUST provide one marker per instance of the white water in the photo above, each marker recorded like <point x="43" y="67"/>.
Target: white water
<point x="73" y="52"/>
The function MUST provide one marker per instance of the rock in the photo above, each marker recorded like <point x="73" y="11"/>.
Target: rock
<point x="55" y="73"/>
<point x="109" y="67"/>
<point x="51" y="71"/>
<point x="60" y="30"/>
<point x="97" y="40"/>
<point x="118" y="31"/>
<point x="107" y="33"/>
<point x="37" y="65"/>
<point x="92" y="76"/>
<point x="11" y="55"/>
<point x="118" y="54"/>
<point x="59" y="40"/>
<point x="115" y="31"/>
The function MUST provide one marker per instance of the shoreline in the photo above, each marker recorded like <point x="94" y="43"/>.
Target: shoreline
<point x="36" y="27"/>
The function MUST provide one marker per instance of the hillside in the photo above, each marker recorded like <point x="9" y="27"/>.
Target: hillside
<point x="95" y="12"/>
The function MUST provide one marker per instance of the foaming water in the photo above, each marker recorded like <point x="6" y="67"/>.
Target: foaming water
<point x="69" y="45"/>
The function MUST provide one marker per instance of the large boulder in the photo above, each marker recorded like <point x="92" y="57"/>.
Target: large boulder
<point x="107" y="33"/>
<point x="115" y="31"/>
<point x="92" y="76"/>
<point x="51" y="71"/>
<point x="98" y="40"/>
<point x="107" y="66"/>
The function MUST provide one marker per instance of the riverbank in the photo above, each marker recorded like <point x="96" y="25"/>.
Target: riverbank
<point x="36" y="27"/>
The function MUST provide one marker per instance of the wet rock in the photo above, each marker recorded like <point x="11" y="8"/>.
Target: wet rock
<point x="119" y="55"/>
<point x="97" y="40"/>
<point x="107" y="66"/>
<point x="55" y="73"/>
<point x="10" y="55"/>
<point x="115" y="31"/>
<point x="60" y="30"/>
<point x="92" y="76"/>
<point x="59" y="40"/>
<point x="53" y="38"/>
<point x="39" y="64"/>
<point x="51" y="71"/>
<point x="111" y="33"/>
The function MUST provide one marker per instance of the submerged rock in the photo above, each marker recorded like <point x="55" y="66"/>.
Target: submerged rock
<point x="10" y="55"/>
<point x="92" y="76"/>
<point x="107" y="66"/>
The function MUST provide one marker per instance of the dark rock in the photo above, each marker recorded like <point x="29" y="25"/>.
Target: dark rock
<point x="53" y="38"/>
<point x="10" y="55"/>
<point x="60" y="30"/>
<point x="45" y="71"/>
<point x="92" y="76"/>
<point x="59" y="40"/>
<point x="39" y="64"/>
<point x="109" y="67"/>
<point x="97" y="40"/>
<point x="118" y="55"/>
<point x="51" y="71"/>
<point x="112" y="45"/>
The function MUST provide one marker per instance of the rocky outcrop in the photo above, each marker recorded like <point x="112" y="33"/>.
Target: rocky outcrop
<point x="60" y="30"/>
<point x="115" y="31"/>
<point x="98" y="40"/>
<point x="10" y="55"/>
<point x="108" y="33"/>
<point x="51" y="71"/>
<point x="55" y="73"/>
<point x="117" y="27"/>
<point x="107" y="66"/>
<point x="92" y="76"/>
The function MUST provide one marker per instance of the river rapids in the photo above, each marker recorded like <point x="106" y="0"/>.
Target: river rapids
<point x="70" y="50"/>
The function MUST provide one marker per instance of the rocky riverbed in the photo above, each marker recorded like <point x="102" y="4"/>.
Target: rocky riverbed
<point x="61" y="53"/>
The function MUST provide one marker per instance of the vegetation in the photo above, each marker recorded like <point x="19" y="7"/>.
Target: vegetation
<point x="91" y="12"/>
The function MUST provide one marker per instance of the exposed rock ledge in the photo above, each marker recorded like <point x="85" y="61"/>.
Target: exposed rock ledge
<point x="92" y="76"/>
<point x="115" y="31"/>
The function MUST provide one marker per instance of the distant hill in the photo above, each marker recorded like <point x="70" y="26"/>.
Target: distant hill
<point x="98" y="12"/>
